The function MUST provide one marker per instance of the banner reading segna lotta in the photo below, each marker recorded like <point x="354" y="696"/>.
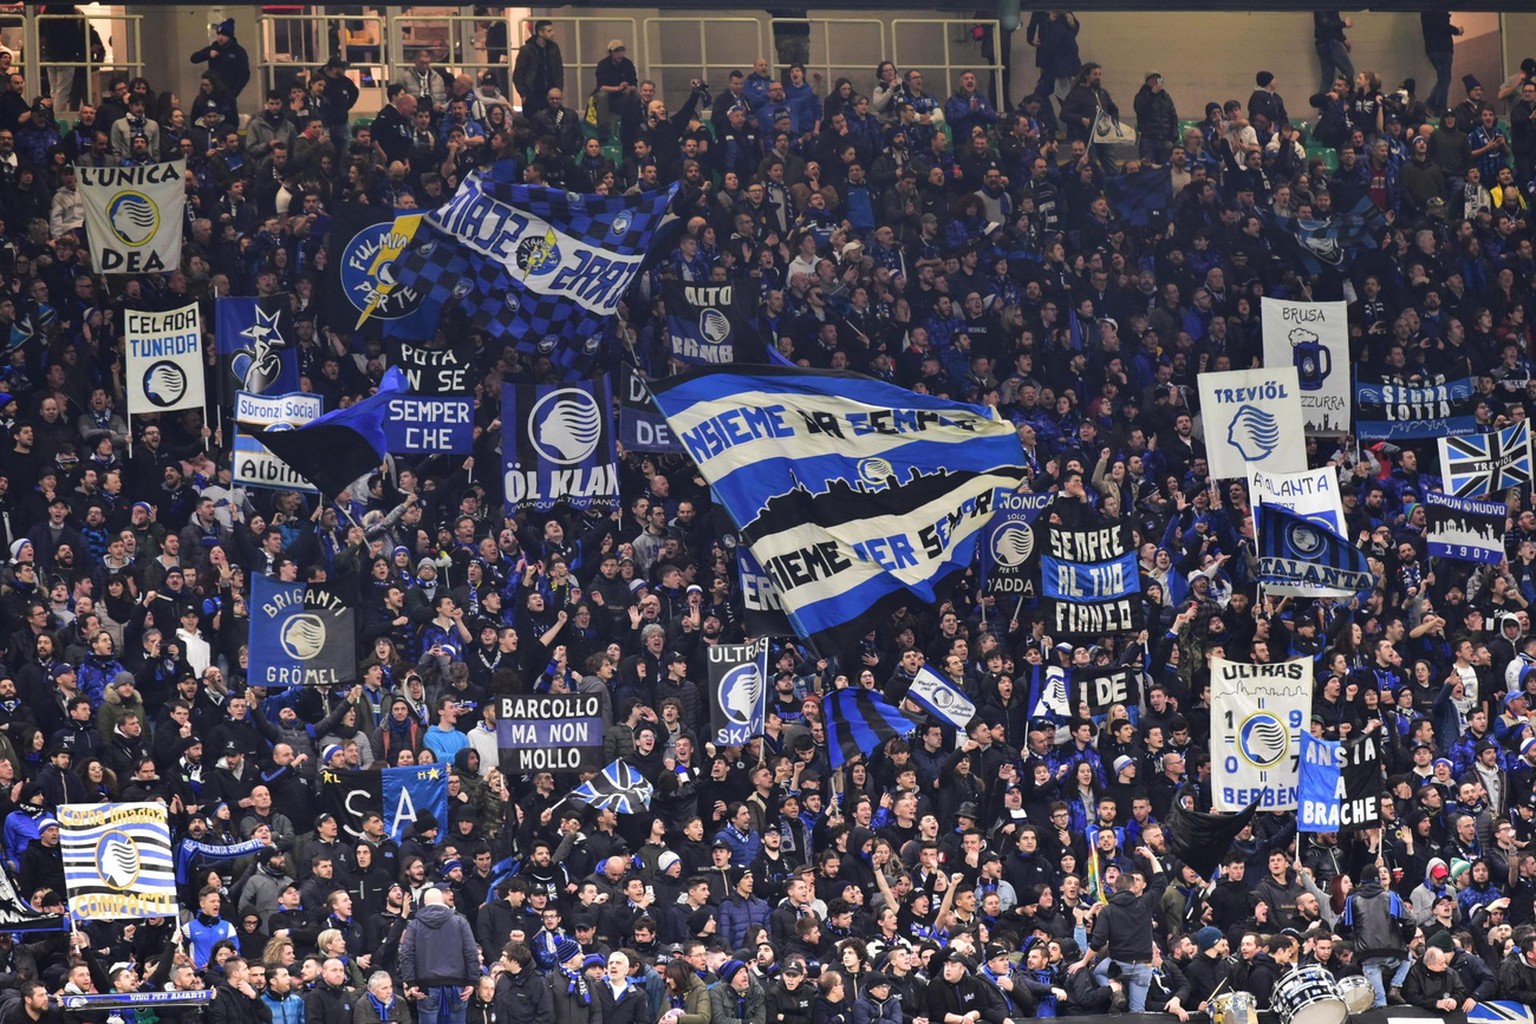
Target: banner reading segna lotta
<point x="117" y="861"/>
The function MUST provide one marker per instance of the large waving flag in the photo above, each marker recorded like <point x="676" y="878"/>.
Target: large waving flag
<point x="859" y="722"/>
<point x="1477" y="465"/>
<point x="1319" y="245"/>
<point x="117" y="860"/>
<point x="1302" y="557"/>
<point x="403" y="797"/>
<point x="1199" y="839"/>
<point x="617" y="788"/>
<point x="334" y="450"/>
<point x="542" y="267"/>
<point x="1138" y="197"/>
<point x="856" y="496"/>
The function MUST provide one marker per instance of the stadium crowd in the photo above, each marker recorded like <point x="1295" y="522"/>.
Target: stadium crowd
<point x="903" y="228"/>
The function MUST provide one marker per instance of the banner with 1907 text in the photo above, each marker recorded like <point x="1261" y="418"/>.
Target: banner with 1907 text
<point x="1258" y="713"/>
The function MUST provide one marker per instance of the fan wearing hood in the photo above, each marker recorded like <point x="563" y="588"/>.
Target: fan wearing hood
<point x="228" y="63"/>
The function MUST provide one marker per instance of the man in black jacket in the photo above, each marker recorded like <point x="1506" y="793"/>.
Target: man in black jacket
<point x="235" y="1000"/>
<point x="522" y="994"/>
<point x="1122" y="933"/>
<point x="956" y="993"/>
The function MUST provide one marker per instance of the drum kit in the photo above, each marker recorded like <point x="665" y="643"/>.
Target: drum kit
<point x="1307" y="995"/>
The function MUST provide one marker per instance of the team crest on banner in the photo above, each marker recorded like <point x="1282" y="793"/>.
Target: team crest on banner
<point x="1257" y="715"/>
<point x="738" y="689"/>
<point x="1007" y="549"/>
<point x="301" y="635"/>
<point x="714" y="323"/>
<point x="1252" y="419"/>
<point x="1314" y="338"/>
<point x="1478" y="465"/>
<point x="557" y="445"/>
<point x="164" y="368"/>
<point x="133" y="216"/>
<point x="117" y="861"/>
<point x="364" y="245"/>
<point x="1302" y="557"/>
<point x="258" y="348"/>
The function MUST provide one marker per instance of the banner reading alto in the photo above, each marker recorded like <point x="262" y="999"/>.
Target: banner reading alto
<point x="117" y="861"/>
<point x="854" y="494"/>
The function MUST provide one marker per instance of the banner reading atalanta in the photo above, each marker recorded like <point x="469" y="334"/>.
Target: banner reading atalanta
<point x="449" y="370"/>
<point x="555" y="732"/>
<point x="542" y="267"/>
<point x="117" y="861"/>
<point x="1340" y="785"/>
<point x="714" y="323"/>
<point x="364" y="293"/>
<point x="764" y="611"/>
<point x="1464" y="529"/>
<point x="1257" y="715"/>
<point x="1007" y="548"/>
<point x="1314" y="338"/>
<point x="1312" y="495"/>
<point x="1102" y="688"/>
<point x="641" y="427"/>
<point x="164" y="371"/>
<point x="133" y="216"/>
<point x="254" y="465"/>
<point x="738" y="691"/>
<point x="557" y="445"/>
<point x="1251" y="420"/>
<point x="1478" y="465"/>
<point x="257" y="350"/>
<point x="855" y="495"/>
<point x="1299" y="556"/>
<point x="1091" y="581"/>
<point x="398" y="795"/>
<point x="1386" y="411"/>
<point x="301" y="635"/>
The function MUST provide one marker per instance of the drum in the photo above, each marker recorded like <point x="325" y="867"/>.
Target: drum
<point x="1235" y="1008"/>
<point x="1308" y="995"/>
<point x="1357" y="993"/>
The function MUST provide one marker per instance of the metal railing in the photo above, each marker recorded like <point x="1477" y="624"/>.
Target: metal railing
<point x="118" y="52"/>
<point x="455" y="42"/>
<point x="857" y="52"/>
<point x="962" y="52"/>
<point x="671" y="76"/>
<point x="583" y="44"/>
<point x="294" y="43"/>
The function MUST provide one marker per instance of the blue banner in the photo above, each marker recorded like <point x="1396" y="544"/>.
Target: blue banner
<point x="1007" y="546"/>
<point x="1389" y="412"/>
<point x="258" y="350"/>
<point x="424" y="425"/>
<point x="641" y="427"/>
<point x="1320" y="785"/>
<point x="541" y="267"/>
<point x="398" y="795"/>
<point x="1302" y="553"/>
<point x="1464" y="528"/>
<point x="1088" y="581"/>
<point x="1091" y="580"/>
<point x="738" y="690"/>
<point x="856" y="495"/>
<point x="301" y="635"/>
<point x="557" y="445"/>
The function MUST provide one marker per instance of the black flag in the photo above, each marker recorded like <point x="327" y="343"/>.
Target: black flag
<point x="1199" y="839"/>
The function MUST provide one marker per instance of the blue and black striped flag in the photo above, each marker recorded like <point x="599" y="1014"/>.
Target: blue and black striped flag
<point x="333" y="451"/>
<point x="859" y="722"/>
<point x="1138" y="197"/>
<point x="617" y="788"/>
<point x="1318" y="245"/>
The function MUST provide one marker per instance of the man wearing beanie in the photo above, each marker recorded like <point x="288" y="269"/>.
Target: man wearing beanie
<point x="737" y="999"/>
<point x="1210" y="970"/>
<point x="572" y="994"/>
<point x="227" y="60"/>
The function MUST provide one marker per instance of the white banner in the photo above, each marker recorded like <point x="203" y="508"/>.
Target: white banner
<point x="1314" y="338"/>
<point x="1257" y="715"/>
<point x="133" y="216"/>
<point x="1312" y="495"/>
<point x="117" y="861"/>
<point x="165" y="360"/>
<point x="1252" y="420"/>
<point x="254" y="465"/>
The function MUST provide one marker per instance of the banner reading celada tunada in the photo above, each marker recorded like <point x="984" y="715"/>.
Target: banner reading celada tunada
<point x="133" y="216"/>
<point x="117" y="861"/>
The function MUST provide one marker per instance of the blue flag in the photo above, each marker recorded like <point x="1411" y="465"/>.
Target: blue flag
<point x="557" y="445"/>
<point x="336" y="449"/>
<point x="1297" y="556"/>
<point x="1319" y="245"/>
<point x="617" y="788"/>
<point x="941" y="698"/>
<point x="1137" y="197"/>
<point x="399" y="795"/>
<point x="856" y="496"/>
<point x="859" y="722"/>
<point x="258" y="351"/>
<point x="302" y="634"/>
<point x="1319" y="785"/>
<point x="1008" y="547"/>
<point x="540" y="267"/>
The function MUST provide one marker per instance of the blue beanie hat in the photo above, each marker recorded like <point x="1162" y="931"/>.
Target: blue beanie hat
<point x="566" y="950"/>
<point x="1207" y="937"/>
<point x="729" y="968"/>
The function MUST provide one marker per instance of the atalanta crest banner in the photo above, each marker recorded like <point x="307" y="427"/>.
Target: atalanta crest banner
<point x="134" y="216"/>
<point x="301" y="635"/>
<point x="557" y="445"/>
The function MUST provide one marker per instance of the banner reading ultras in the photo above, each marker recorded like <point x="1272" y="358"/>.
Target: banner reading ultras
<point x="1257" y="715"/>
<point x="555" y="732"/>
<point x="117" y="860"/>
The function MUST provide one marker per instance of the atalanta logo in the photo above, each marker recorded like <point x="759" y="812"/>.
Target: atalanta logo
<point x="117" y="860"/>
<point x="538" y="256"/>
<point x="566" y="426"/>
<point x="134" y="218"/>
<point x="1012" y="544"/>
<point x="1254" y="432"/>
<point x="303" y="636"/>
<point x="1304" y="540"/>
<point x="1263" y="740"/>
<point x="740" y="690"/>
<point x="165" y="383"/>
<point x="368" y="273"/>
<point x="621" y="223"/>
<point x="714" y="326"/>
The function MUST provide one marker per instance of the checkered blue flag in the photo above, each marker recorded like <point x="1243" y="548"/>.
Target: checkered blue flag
<point x="617" y="788"/>
<point x="1481" y="464"/>
<point x="540" y="266"/>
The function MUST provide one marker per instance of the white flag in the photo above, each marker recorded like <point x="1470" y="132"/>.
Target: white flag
<point x="165" y="360"/>
<point x="133" y="216"/>
<point x="941" y="698"/>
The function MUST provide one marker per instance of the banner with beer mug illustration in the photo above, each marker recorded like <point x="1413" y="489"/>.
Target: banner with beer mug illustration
<point x="1252" y="420"/>
<point x="1314" y="338"/>
<point x="117" y="861"/>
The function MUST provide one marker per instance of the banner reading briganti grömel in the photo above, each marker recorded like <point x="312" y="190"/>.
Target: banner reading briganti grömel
<point x="1257" y="715"/>
<point x="1314" y="338"/>
<point x="557" y="445"/>
<point x="1252" y="419"/>
<point x="1464" y="528"/>
<point x="133" y="216"/>
<point x="117" y="861"/>
<point x="164" y="360"/>
<point x="302" y="634"/>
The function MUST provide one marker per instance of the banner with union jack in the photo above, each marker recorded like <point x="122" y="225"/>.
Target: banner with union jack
<point x="1476" y="465"/>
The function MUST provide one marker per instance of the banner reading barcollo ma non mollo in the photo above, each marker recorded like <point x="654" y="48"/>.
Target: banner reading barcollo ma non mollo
<point x="134" y="216"/>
